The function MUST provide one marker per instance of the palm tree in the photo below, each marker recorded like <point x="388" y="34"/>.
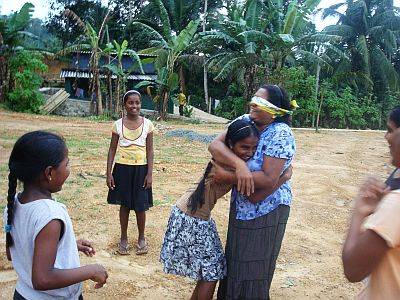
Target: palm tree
<point x="91" y="42"/>
<point x="119" y="50"/>
<point x="168" y="46"/>
<point x="369" y="31"/>
<point x="254" y="37"/>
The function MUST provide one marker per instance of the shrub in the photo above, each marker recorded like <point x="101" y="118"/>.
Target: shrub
<point x="24" y="68"/>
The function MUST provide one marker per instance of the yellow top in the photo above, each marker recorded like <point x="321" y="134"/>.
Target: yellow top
<point x="182" y="99"/>
<point x="384" y="281"/>
<point x="131" y="148"/>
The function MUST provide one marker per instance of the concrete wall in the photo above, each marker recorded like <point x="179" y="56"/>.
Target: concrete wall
<point x="74" y="108"/>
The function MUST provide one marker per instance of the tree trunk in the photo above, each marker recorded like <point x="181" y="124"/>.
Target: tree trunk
<point x="316" y="94"/>
<point x="118" y="109"/>
<point x="319" y="112"/>
<point x="164" y="106"/>
<point x="249" y="82"/>
<point x="205" y="75"/>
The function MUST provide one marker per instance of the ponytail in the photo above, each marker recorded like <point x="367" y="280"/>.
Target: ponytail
<point x="12" y="189"/>
<point x="196" y="199"/>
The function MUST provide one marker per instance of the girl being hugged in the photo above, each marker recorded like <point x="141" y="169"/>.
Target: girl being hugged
<point x="130" y="180"/>
<point x="191" y="246"/>
<point x="40" y="238"/>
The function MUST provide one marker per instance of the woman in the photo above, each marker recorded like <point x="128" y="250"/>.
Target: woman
<point x="256" y="229"/>
<point x="372" y="246"/>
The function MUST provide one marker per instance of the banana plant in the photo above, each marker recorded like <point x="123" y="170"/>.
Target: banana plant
<point x="167" y="46"/>
<point x="116" y="51"/>
<point x="91" y="42"/>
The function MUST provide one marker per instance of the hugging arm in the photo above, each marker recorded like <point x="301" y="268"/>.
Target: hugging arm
<point x="220" y="152"/>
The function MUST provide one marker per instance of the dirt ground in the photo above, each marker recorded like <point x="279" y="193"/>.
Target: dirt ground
<point x="328" y="168"/>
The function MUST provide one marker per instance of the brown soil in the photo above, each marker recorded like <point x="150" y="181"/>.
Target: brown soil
<point x="328" y="168"/>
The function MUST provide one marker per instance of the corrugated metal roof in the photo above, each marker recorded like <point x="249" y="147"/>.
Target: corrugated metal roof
<point x="114" y="53"/>
<point x="84" y="74"/>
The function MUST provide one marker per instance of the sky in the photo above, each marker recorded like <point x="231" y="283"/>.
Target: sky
<point x="42" y="9"/>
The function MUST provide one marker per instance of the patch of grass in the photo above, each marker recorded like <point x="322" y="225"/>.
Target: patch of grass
<point x="4" y="167"/>
<point x="87" y="183"/>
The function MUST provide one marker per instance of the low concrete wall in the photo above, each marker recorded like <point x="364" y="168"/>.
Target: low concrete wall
<point x="74" y="108"/>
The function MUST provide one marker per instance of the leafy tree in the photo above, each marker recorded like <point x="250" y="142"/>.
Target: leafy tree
<point x="25" y="67"/>
<point x="369" y="30"/>
<point x="12" y="32"/>
<point x="168" y="46"/>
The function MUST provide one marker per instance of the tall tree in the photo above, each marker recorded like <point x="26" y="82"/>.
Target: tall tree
<point x="168" y="46"/>
<point x="370" y="31"/>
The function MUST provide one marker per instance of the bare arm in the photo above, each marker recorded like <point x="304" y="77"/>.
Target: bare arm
<point x="260" y="194"/>
<point x="221" y="152"/>
<point x="363" y="249"/>
<point x="110" y="159"/>
<point x="150" y="160"/>
<point x="222" y="175"/>
<point x="45" y="276"/>
<point x="269" y="179"/>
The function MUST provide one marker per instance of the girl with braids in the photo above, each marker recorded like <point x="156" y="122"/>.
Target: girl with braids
<point x="40" y="240"/>
<point x="191" y="246"/>
<point x="130" y="180"/>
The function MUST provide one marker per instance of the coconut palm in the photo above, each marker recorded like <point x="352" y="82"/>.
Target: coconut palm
<point x="369" y="30"/>
<point x="254" y="37"/>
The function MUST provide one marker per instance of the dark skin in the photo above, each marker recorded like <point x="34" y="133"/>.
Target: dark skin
<point x="248" y="182"/>
<point x="244" y="149"/>
<point x="132" y="121"/>
<point x="364" y="249"/>
<point x="44" y="275"/>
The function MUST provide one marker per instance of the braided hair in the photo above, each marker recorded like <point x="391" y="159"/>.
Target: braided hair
<point x="31" y="155"/>
<point x="237" y="130"/>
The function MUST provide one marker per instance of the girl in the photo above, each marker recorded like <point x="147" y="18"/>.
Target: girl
<point x="256" y="228"/>
<point x="40" y="239"/>
<point x="372" y="247"/>
<point x="191" y="245"/>
<point x="132" y="176"/>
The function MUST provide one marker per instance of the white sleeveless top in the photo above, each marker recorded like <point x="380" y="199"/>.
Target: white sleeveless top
<point x="29" y="219"/>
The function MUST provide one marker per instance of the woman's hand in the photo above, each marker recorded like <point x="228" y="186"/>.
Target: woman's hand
<point x="245" y="182"/>
<point x="148" y="181"/>
<point x="85" y="247"/>
<point x="369" y="195"/>
<point x="99" y="275"/>
<point x="110" y="182"/>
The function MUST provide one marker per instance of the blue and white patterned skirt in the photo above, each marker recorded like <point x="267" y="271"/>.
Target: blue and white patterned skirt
<point x="192" y="248"/>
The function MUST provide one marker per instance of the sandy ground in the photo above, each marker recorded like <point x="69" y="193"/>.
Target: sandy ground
<point x="328" y="168"/>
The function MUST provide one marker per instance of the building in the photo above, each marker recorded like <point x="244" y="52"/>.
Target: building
<point x="77" y="76"/>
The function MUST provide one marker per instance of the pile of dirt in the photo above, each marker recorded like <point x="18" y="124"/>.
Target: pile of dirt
<point x="191" y="135"/>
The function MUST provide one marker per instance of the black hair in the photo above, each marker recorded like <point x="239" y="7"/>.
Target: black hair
<point x="278" y="97"/>
<point x="31" y="155"/>
<point x="130" y="93"/>
<point x="394" y="116"/>
<point x="237" y="130"/>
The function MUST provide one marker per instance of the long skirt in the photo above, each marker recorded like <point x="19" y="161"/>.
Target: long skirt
<point x="252" y="248"/>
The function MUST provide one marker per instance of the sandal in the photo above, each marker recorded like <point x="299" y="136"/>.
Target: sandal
<point x="142" y="250"/>
<point x="122" y="250"/>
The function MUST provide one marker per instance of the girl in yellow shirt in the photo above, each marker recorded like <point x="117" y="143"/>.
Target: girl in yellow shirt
<point x="130" y="180"/>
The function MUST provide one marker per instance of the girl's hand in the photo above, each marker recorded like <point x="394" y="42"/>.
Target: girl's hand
<point x="99" y="275"/>
<point x="85" y="247"/>
<point x="287" y="175"/>
<point x="245" y="182"/>
<point x="369" y="195"/>
<point x="148" y="181"/>
<point x="110" y="182"/>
